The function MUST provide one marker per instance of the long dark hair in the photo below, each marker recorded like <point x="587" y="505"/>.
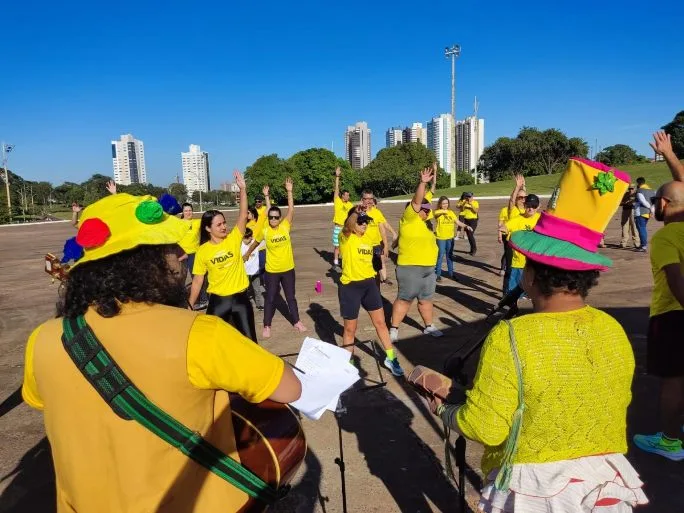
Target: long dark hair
<point x="254" y="212"/>
<point x="207" y="219"/>
<point x="442" y="198"/>
<point x="141" y="274"/>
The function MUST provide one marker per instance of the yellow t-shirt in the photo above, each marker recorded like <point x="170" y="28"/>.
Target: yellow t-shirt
<point x="428" y="196"/>
<point x="417" y="243"/>
<point x="357" y="258"/>
<point x="342" y="208"/>
<point x="459" y="206"/>
<point x="467" y="212"/>
<point x="279" y="257"/>
<point x="373" y="230"/>
<point x="446" y="224"/>
<point x="190" y="241"/>
<point x="667" y="248"/>
<point x="514" y="225"/>
<point x="577" y="372"/>
<point x="223" y="264"/>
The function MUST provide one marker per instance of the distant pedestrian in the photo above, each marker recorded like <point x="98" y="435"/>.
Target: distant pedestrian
<point x="471" y="214"/>
<point x="252" y="270"/>
<point x="341" y="207"/>
<point x="642" y="211"/>
<point x="446" y="221"/>
<point x="627" y="222"/>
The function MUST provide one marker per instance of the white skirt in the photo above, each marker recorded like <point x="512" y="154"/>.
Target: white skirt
<point x="598" y="484"/>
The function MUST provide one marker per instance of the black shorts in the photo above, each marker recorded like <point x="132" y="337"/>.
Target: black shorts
<point x="356" y="294"/>
<point x="665" y="355"/>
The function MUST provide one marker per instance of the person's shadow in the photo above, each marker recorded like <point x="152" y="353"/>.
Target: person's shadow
<point x="31" y="486"/>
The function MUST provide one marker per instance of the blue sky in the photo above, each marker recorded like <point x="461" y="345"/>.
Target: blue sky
<point x="259" y="78"/>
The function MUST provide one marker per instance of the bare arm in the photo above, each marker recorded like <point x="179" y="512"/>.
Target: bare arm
<point x="389" y="228"/>
<point x="433" y="185"/>
<point x="290" y="200"/>
<point x="348" y="227"/>
<point x="252" y="247"/>
<point x="289" y="389"/>
<point x="241" y="223"/>
<point x="662" y="145"/>
<point x="519" y="186"/>
<point x="75" y="211"/>
<point x="675" y="280"/>
<point x="195" y="288"/>
<point x="267" y="197"/>
<point x="337" y="181"/>
<point x="417" y="200"/>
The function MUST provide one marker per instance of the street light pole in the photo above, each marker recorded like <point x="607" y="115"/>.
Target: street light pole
<point x="6" y="148"/>
<point x="453" y="52"/>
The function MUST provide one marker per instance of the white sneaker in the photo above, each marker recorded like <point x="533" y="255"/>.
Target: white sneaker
<point x="394" y="334"/>
<point x="431" y="330"/>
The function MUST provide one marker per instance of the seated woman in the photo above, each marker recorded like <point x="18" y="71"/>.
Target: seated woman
<point x="549" y="400"/>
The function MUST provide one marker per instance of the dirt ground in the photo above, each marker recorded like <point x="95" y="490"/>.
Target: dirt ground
<point x="392" y="447"/>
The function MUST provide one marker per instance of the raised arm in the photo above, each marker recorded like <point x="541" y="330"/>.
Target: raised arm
<point x="111" y="187"/>
<point x="267" y="197"/>
<point x="349" y="224"/>
<point x="75" y="211"/>
<point x="662" y="144"/>
<point x="338" y="172"/>
<point x="290" y="200"/>
<point x="242" y="214"/>
<point x="425" y="177"/>
<point x="519" y="186"/>
<point x="433" y="185"/>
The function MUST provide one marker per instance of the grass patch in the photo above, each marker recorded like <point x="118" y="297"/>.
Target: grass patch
<point x="655" y="173"/>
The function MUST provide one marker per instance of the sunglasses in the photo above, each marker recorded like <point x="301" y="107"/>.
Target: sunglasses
<point x="273" y="217"/>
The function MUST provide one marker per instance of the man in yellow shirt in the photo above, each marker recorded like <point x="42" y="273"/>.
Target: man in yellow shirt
<point x="526" y="221"/>
<point x="471" y="209"/>
<point x="342" y="206"/>
<point x="665" y="339"/>
<point x="127" y="286"/>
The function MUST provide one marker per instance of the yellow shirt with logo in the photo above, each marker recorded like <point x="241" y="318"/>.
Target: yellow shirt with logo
<point x="503" y="214"/>
<point x="446" y="224"/>
<point x="223" y="264"/>
<point x="279" y="256"/>
<point x="515" y="225"/>
<point x="417" y="243"/>
<point x="357" y="258"/>
<point x="190" y="241"/>
<point x="373" y="230"/>
<point x="342" y="208"/>
<point x="467" y="212"/>
<point x="667" y="248"/>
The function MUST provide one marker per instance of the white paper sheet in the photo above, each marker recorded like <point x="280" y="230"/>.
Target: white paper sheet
<point x="327" y="373"/>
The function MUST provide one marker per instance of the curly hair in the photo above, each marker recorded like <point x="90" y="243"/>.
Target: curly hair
<point x="551" y="280"/>
<point x="141" y="274"/>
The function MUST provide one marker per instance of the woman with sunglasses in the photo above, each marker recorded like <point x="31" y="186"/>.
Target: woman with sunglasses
<point x="416" y="261"/>
<point x="358" y="288"/>
<point x="220" y="257"/>
<point x="280" y="267"/>
<point x="515" y="208"/>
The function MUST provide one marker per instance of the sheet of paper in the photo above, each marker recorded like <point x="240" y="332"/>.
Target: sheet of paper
<point x="326" y="374"/>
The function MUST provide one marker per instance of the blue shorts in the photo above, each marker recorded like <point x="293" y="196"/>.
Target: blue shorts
<point x="337" y="229"/>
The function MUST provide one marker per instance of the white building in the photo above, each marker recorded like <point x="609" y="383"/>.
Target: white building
<point x="128" y="160"/>
<point x="393" y="137"/>
<point x="416" y="133"/>
<point x="357" y="145"/>
<point x="469" y="143"/>
<point x="195" y="169"/>
<point x="441" y="141"/>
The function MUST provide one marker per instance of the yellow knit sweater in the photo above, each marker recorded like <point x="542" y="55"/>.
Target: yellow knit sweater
<point x="577" y="372"/>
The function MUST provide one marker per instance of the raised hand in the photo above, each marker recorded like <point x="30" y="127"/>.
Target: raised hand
<point x="75" y="207"/>
<point x="111" y="187"/>
<point x="266" y="190"/>
<point x="338" y="171"/>
<point x="239" y="179"/>
<point x="288" y="184"/>
<point x="662" y="143"/>
<point x="426" y="175"/>
<point x="519" y="180"/>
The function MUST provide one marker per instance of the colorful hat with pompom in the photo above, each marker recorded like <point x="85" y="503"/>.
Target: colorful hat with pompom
<point x="569" y="231"/>
<point x="120" y="222"/>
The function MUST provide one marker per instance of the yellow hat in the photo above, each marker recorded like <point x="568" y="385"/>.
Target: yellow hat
<point x="120" y="222"/>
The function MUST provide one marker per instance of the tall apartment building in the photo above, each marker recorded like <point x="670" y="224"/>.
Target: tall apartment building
<point x="195" y="169"/>
<point x="128" y="160"/>
<point x="416" y="133"/>
<point x="469" y="143"/>
<point x="441" y="141"/>
<point x="357" y="145"/>
<point x="393" y="137"/>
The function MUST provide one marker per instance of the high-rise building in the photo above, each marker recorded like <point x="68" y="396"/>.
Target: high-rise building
<point x="393" y="137"/>
<point x="416" y="133"/>
<point x="469" y="143"/>
<point x="357" y="145"/>
<point x="128" y="160"/>
<point x="440" y="140"/>
<point x="195" y="169"/>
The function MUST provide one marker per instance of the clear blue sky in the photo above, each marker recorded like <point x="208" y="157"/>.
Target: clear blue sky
<point x="279" y="77"/>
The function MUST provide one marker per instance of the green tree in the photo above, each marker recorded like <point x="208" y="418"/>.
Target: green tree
<point x="676" y="130"/>
<point x="95" y="188"/>
<point x="316" y="170"/>
<point x="272" y="170"/>
<point x="618" y="154"/>
<point x="178" y="191"/>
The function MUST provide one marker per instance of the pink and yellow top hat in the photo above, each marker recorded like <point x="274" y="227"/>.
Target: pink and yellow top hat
<point x="570" y="230"/>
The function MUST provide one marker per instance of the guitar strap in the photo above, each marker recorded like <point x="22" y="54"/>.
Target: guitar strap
<point x="129" y="403"/>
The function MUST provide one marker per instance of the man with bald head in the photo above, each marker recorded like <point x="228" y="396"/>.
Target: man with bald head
<point x="666" y="326"/>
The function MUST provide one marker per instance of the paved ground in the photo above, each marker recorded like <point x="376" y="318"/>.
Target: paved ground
<point x="392" y="448"/>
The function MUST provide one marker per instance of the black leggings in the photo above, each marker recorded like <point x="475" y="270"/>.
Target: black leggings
<point x="236" y="310"/>
<point x="471" y="234"/>
<point x="272" y="282"/>
<point x="506" y="261"/>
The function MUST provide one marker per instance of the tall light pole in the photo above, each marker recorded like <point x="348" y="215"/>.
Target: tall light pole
<point x="6" y="148"/>
<point x="453" y="52"/>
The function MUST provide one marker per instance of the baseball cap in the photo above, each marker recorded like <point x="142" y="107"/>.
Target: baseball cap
<point x="532" y="200"/>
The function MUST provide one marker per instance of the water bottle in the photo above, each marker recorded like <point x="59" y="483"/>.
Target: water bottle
<point x="319" y="287"/>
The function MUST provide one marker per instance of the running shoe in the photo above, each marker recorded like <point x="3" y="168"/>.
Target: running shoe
<point x="431" y="330"/>
<point x="394" y="367"/>
<point x="658" y="444"/>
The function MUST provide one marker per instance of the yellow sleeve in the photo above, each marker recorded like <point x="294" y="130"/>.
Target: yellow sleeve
<point x="199" y="267"/>
<point x="220" y="357"/>
<point x="260" y="224"/>
<point x="663" y="251"/>
<point x="503" y="215"/>
<point x="486" y="416"/>
<point x="29" y="389"/>
<point x="379" y="217"/>
<point x="428" y="195"/>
